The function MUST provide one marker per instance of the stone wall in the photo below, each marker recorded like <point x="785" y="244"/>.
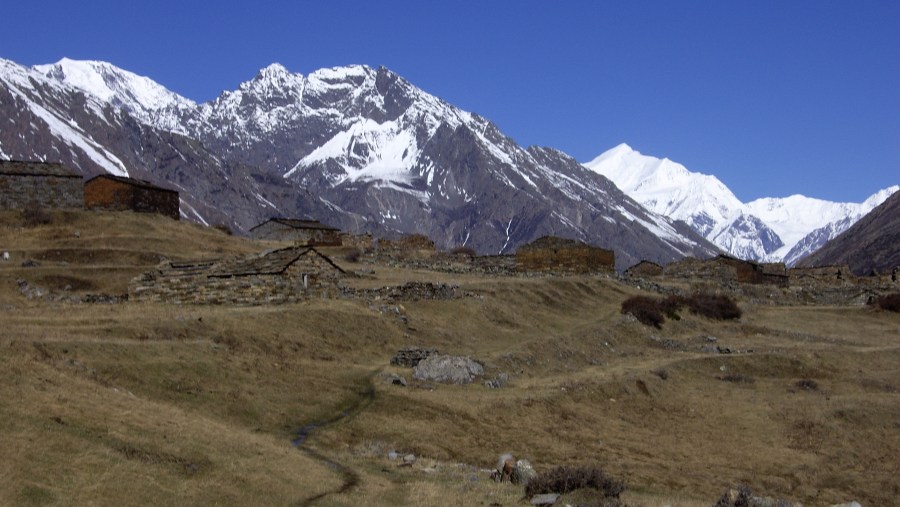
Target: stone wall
<point x="53" y="189"/>
<point x="410" y="291"/>
<point x="557" y="255"/>
<point x="644" y="268"/>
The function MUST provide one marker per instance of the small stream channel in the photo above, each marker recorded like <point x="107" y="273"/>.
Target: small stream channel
<point x="302" y="435"/>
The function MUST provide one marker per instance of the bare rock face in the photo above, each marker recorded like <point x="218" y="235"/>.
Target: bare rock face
<point x="448" y="369"/>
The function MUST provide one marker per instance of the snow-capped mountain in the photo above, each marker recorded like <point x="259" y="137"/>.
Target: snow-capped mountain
<point x="770" y="229"/>
<point x="358" y="147"/>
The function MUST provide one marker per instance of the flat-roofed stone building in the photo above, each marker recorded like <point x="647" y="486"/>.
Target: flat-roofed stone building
<point x="302" y="232"/>
<point x="39" y="183"/>
<point x="118" y="193"/>
<point x="558" y="255"/>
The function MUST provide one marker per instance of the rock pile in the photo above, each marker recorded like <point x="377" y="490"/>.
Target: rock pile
<point x="411" y="356"/>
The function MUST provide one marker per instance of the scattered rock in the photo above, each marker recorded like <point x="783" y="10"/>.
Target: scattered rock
<point x="448" y="369"/>
<point x="544" y="499"/>
<point x="497" y="382"/>
<point x="711" y="339"/>
<point x="409" y="459"/>
<point x="29" y="263"/>
<point x="5" y="256"/>
<point x="393" y="455"/>
<point x="848" y="504"/>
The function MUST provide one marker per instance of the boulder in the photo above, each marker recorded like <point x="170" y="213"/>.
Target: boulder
<point x="448" y="369"/>
<point x="523" y="472"/>
<point x="544" y="499"/>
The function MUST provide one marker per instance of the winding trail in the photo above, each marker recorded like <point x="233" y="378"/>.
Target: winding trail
<point x="301" y="439"/>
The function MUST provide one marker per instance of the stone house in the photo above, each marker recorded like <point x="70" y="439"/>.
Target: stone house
<point x="724" y="268"/>
<point x="558" y="255"/>
<point x="43" y="184"/>
<point x="644" y="269"/>
<point x="118" y="193"/>
<point x="302" y="232"/>
<point x="272" y="277"/>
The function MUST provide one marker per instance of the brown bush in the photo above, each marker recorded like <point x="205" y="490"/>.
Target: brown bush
<point x="890" y="302"/>
<point x="464" y="250"/>
<point x="652" y="312"/>
<point x="645" y="310"/>
<point x="564" y="479"/>
<point x="353" y="255"/>
<point x="223" y="228"/>
<point x="712" y="306"/>
<point x="33" y="215"/>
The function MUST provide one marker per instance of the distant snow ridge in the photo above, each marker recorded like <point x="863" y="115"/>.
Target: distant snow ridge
<point x="769" y="229"/>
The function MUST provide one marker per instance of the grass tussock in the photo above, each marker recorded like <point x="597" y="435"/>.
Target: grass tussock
<point x="653" y="311"/>
<point x="34" y="215"/>
<point x="565" y="479"/>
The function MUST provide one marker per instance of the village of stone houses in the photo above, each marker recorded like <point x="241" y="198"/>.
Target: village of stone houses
<point x="147" y="360"/>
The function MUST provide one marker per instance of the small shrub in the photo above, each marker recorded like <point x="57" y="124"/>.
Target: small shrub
<point x="808" y="384"/>
<point x="736" y="378"/>
<point x="645" y="310"/>
<point x="890" y="302"/>
<point x="353" y="255"/>
<point x="565" y="479"/>
<point x="718" y="307"/>
<point x="223" y="228"/>
<point x="740" y="497"/>
<point x="33" y="215"/>
<point x="464" y="250"/>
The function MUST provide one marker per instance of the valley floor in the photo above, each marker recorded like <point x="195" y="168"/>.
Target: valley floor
<point x="135" y="404"/>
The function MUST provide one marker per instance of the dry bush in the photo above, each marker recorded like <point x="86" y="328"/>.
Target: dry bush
<point x="353" y="255"/>
<point x="718" y="307"/>
<point x="33" y="215"/>
<point x="808" y="384"/>
<point x="464" y="250"/>
<point x="564" y="479"/>
<point x="652" y="312"/>
<point x="742" y="497"/>
<point x="736" y="378"/>
<point x="645" y="309"/>
<point x="223" y="228"/>
<point x="890" y="302"/>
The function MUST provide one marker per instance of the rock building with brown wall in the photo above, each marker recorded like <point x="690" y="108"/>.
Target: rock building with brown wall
<point x="272" y="277"/>
<point x="303" y="232"/>
<point x="557" y="255"/>
<point x="728" y="269"/>
<point x="117" y="193"/>
<point x="39" y="183"/>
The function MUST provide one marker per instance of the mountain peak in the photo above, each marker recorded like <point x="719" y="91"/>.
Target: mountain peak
<point x="273" y="69"/>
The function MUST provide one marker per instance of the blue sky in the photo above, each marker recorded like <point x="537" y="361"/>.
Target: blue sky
<point x="773" y="97"/>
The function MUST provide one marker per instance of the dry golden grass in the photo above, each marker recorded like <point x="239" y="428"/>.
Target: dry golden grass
<point x="139" y="404"/>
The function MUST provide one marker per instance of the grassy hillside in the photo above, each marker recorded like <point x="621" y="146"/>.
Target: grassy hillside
<point x="137" y="404"/>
